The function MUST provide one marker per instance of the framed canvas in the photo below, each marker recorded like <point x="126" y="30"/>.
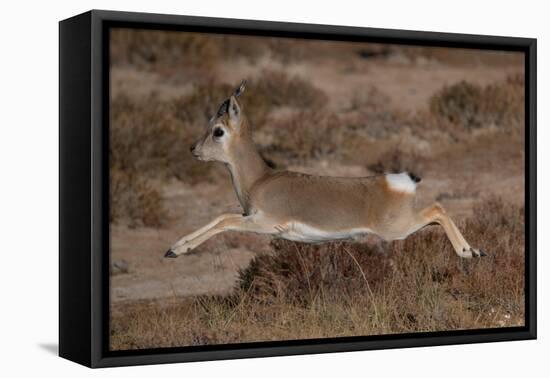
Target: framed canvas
<point x="235" y="188"/>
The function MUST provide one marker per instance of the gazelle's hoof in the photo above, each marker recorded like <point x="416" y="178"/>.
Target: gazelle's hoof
<point x="473" y="253"/>
<point x="170" y="254"/>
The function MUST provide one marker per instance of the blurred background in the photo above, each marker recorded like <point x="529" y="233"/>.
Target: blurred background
<point x="455" y="117"/>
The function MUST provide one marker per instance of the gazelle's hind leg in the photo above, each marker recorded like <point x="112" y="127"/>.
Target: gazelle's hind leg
<point x="436" y="214"/>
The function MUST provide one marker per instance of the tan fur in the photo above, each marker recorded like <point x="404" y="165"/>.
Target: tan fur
<point x="304" y="207"/>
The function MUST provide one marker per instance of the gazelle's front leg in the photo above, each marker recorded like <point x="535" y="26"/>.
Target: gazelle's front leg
<point x="181" y="245"/>
<point x="225" y="222"/>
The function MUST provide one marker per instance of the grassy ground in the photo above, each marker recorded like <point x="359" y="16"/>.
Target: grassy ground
<point x="300" y="291"/>
<point x="455" y="117"/>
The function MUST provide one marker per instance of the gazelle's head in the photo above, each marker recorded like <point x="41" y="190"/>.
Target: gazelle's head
<point x="227" y="129"/>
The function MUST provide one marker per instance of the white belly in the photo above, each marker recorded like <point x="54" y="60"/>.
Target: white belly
<point x="307" y="234"/>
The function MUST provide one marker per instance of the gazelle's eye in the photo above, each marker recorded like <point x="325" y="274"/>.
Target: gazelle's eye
<point x="218" y="132"/>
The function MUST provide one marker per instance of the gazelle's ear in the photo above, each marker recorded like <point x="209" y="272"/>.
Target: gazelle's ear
<point x="234" y="111"/>
<point x="223" y="108"/>
<point x="239" y="91"/>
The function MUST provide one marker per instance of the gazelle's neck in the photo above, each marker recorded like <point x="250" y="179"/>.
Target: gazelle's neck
<point x="247" y="167"/>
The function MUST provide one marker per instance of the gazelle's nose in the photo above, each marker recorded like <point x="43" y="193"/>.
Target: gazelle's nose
<point x="193" y="150"/>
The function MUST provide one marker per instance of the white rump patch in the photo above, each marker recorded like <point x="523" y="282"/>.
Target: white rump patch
<point x="401" y="182"/>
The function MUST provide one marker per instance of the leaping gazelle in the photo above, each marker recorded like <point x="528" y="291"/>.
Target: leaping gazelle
<point x="308" y="208"/>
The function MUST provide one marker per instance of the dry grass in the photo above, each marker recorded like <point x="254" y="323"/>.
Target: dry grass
<point x="457" y="57"/>
<point x="153" y="49"/>
<point x="370" y="98"/>
<point x="302" y="135"/>
<point x="396" y="161"/>
<point x="368" y="132"/>
<point x="422" y="56"/>
<point x="149" y="143"/>
<point x="312" y="132"/>
<point x="136" y="199"/>
<point x="203" y="102"/>
<point x="266" y="92"/>
<point x="470" y="106"/>
<point x="162" y="51"/>
<point x="276" y="88"/>
<point x="148" y="137"/>
<point x="300" y="291"/>
<point x="352" y="137"/>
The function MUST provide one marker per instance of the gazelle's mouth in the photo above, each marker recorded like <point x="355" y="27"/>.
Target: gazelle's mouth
<point x="170" y="254"/>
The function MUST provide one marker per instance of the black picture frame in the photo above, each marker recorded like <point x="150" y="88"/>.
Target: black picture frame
<point x="84" y="188"/>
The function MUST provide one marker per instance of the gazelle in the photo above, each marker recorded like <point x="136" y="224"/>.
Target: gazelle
<point x="308" y="208"/>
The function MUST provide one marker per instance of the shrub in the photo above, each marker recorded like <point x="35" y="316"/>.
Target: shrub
<point x="148" y="142"/>
<point x="265" y="92"/>
<point x="146" y="49"/>
<point x="135" y="198"/>
<point x="504" y="102"/>
<point x="300" y="291"/>
<point x="187" y="53"/>
<point x="148" y="136"/>
<point x="471" y="106"/>
<point x="287" y="50"/>
<point x="279" y="89"/>
<point x="204" y="101"/>
<point x="242" y="47"/>
<point x="303" y="135"/>
<point x="370" y="98"/>
<point x="422" y="267"/>
<point x="459" y="103"/>
<point x="350" y="137"/>
<point x="298" y="273"/>
<point x="291" y="50"/>
<point x="396" y="161"/>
